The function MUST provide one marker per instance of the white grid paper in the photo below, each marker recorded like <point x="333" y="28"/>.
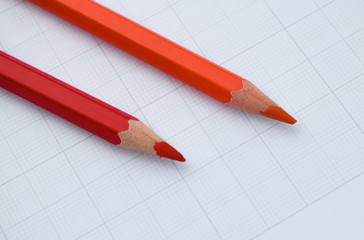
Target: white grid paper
<point x="244" y="173"/>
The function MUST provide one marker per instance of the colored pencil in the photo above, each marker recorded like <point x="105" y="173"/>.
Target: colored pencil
<point x="167" y="56"/>
<point x="81" y="109"/>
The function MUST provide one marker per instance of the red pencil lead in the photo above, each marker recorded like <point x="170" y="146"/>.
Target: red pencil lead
<point x="163" y="149"/>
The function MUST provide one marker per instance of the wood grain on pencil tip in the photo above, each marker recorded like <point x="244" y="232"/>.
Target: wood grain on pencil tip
<point x="142" y="139"/>
<point x="81" y="109"/>
<point x="251" y="99"/>
<point x="167" y="56"/>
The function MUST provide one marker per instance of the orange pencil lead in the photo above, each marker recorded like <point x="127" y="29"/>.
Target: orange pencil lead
<point x="279" y="114"/>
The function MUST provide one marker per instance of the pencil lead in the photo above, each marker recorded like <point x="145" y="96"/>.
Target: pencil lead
<point x="163" y="149"/>
<point x="279" y="114"/>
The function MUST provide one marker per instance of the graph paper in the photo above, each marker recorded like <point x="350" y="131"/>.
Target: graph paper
<point x="244" y="175"/>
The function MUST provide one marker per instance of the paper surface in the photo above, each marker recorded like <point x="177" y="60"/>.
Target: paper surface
<point x="244" y="175"/>
<point x="337" y="216"/>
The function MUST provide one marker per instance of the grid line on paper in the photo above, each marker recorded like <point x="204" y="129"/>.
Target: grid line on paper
<point x="140" y="193"/>
<point x="189" y="188"/>
<point x="223" y="62"/>
<point x="213" y="160"/>
<point x="271" y="80"/>
<point x="283" y="29"/>
<point x="334" y="94"/>
<point x="306" y="108"/>
<point x="250" y="45"/>
<point x="59" y="200"/>
<point x="120" y="79"/>
<point x="59" y="23"/>
<point x="262" y="85"/>
<point x="261" y="216"/>
<point x="76" y="174"/>
<point x="43" y="208"/>
<point x="177" y="133"/>
<point x="75" y="144"/>
<point x="35" y="166"/>
<point x="322" y="80"/>
<point x="128" y="209"/>
<point x="332" y="91"/>
<point x="31" y="186"/>
<point x="247" y="195"/>
<point x="269" y="228"/>
<point x="200" y="205"/>
<point x="216" y="150"/>
<point x="139" y="203"/>
<point x="221" y="155"/>
<point x="62" y="151"/>
<point x="281" y="167"/>
<point x="83" y="186"/>
<point x="184" y="26"/>
<point x="11" y="7"/>
<point x="268" y="146"/>
<point x="171" y="6"/>
<point x="3" y="232"/>
<point x="319" y="145"/>
<point x="345" y="40"/>
<point x="331" y="164"/>
<point x="308" y="205"/>
<point x="259" y="135"/>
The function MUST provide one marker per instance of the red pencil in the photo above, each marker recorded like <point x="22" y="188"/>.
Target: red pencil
<point x="167" y="56"/>
<point x="81" y="109"/>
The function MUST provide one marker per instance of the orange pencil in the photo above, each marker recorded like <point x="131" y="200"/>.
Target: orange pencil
<point x="167" y="56"/>
<point x="81" y="109"/>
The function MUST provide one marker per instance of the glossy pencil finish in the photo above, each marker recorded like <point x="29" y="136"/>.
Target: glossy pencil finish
<point x="80" y="108"/>
<point x="167" y="56"/>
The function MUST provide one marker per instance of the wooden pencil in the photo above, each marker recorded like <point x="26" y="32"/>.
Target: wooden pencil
<point x="81" y="109"/>
<point x="167" y="56"/>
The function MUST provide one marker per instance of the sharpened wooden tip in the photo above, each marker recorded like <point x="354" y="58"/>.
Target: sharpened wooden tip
<point x="253" y="100"/>
<point x="279" y="114"/>
<point x="140" y="138"/>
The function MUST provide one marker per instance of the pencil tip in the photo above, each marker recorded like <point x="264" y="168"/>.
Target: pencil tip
<point x="279" y="114"/>
<point x="163" y="149"/>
